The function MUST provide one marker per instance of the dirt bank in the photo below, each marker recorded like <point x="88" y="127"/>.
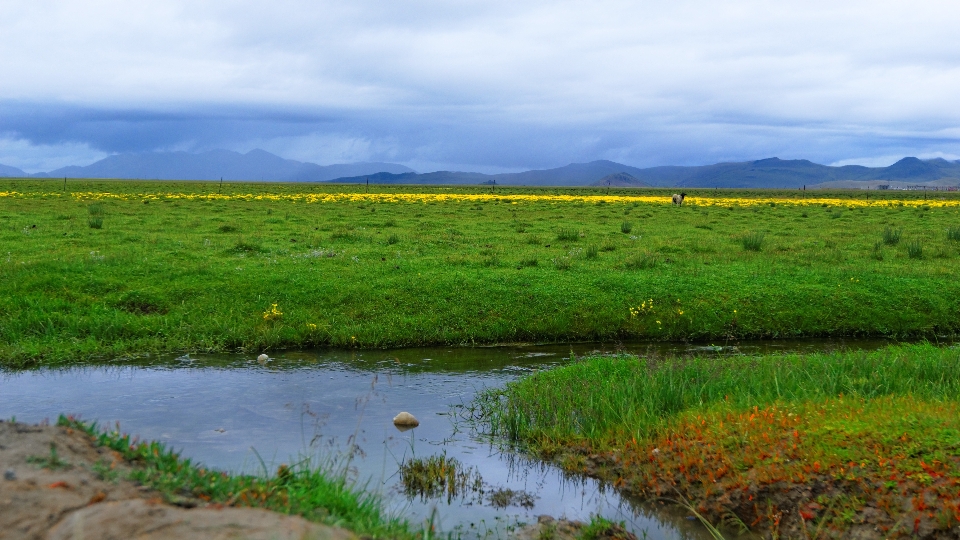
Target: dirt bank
<point x="57" y="484"/>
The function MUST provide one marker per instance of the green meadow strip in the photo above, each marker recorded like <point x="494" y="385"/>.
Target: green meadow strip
<point x="611" y="400"/>
<point x="117" y="269"/>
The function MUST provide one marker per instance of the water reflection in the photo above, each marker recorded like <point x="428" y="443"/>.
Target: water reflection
<point x="237" y="413"/>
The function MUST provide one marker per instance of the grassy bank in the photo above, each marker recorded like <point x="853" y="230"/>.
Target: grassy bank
<point x="823" y="445"/>
<point x="320" y="495"/>
<point x="107" y="269"/>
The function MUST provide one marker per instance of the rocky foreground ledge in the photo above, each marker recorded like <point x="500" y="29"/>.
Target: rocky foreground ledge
<point x="58" y="484"/>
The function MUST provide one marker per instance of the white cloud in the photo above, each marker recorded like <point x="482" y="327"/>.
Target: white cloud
<point x="861" y="68"/>
<point x="33" y="158"/>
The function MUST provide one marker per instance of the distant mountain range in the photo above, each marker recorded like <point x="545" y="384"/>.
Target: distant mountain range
<point x="262" y="165"/>
<point x="764" y="173"/>
<point x="212" y="165"/>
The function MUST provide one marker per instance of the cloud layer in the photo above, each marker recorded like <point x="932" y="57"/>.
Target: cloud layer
<point x="481" y="85"/>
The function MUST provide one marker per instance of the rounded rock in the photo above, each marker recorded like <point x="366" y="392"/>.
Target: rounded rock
<point x="405" y="419"/>
<point x="263" y="358"/>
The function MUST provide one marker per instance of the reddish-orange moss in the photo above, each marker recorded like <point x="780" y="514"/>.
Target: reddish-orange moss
<point x="884" y="467"/>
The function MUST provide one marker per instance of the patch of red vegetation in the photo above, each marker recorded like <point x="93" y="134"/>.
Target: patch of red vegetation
<point x="875" y="469"/>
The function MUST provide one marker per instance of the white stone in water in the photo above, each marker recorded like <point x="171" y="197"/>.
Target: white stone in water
<point x="263" y="358"/>
<point x="405" y="419"/>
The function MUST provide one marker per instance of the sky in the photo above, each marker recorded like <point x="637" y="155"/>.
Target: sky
<point x="489" y="86"/>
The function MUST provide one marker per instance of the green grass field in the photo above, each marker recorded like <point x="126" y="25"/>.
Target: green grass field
<point x="102" y="270"/>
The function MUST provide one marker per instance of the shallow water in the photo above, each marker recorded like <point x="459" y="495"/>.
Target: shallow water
<point x="229" y="412"/>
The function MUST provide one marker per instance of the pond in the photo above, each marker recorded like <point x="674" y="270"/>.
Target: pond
<point x="230" y="412"/>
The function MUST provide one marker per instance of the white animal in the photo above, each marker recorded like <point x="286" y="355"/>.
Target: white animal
<point x="678" y="198"/>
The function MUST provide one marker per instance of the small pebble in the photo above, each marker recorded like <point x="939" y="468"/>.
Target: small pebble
<point x="9" y="475"/>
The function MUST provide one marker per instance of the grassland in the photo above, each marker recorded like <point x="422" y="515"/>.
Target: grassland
<point x="838" y="445"/>
<point x="103" y="270"/>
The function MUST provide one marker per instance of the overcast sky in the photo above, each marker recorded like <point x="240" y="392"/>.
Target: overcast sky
<point x="481" y="85"/>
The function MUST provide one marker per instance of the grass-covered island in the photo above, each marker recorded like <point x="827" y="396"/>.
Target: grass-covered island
<point x="840" y="445"/>
<point x="100" y="270"/>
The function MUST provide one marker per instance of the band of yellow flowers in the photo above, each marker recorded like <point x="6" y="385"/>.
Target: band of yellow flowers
<point x="488" y="197"/>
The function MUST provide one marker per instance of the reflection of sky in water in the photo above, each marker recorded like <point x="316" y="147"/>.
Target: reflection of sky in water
<point x="216" y="409"/>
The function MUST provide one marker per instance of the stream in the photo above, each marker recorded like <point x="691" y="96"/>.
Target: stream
<point x="336" y="408"/>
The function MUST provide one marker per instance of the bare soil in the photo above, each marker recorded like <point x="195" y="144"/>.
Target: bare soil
<point x="82" y="493"/>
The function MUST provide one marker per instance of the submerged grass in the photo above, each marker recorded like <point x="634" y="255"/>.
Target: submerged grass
<point x="304" y="489"/>
<point x="439" y="476"/>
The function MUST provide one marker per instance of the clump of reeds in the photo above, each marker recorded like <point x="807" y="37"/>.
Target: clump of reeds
<point x="642" y="261"/>
<point x="878" y="250"/>
<point x="438" y="476"/>
<point x="915" y="249"/>
<point x="953" y="233"/>
<point x="568" y="235"/>
<point x="891" y="237"/>
<point x="752" y="241"/>
<point x="95" y="219"/>
<point x="591" y="252"/>
<point x="626" y="227"/>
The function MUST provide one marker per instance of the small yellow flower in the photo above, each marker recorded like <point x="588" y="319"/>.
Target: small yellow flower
<point x="273" y="313"/>
<point x="311" y="326"/>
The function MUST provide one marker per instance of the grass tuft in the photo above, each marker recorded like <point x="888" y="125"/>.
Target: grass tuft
<point x="752" y="241"/>
<point x="953" y="233"/>
<point x="642" y="261"/>
<point x="439" y="476"/>
<point x="626" y="227"/>
<point x="915" y="249"/>
<point x="891" y="237"/>
<point x="568" y="235"/>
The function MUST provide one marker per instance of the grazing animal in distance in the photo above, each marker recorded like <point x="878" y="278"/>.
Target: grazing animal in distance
<point x="678" y="199"/>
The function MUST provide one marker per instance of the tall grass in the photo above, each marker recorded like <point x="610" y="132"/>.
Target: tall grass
<point x="95" y="219"/>
<point x="752" y="241"/>
<point x="915" y="249"/>
<point x="642" y="261"/>
<point x="568" y="235"/>
<point x="953" y="233"/>
<point x="891" y="237"/>
<point x="616" y="398"/>
<point x="626" y="227"/>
